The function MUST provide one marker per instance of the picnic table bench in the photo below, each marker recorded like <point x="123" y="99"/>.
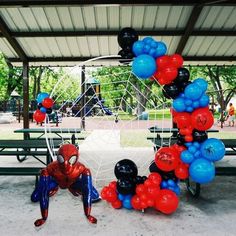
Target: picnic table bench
<point x="194" y="188"/>
<point x="25" y="148"/>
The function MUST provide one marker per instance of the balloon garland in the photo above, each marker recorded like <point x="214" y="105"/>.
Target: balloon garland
<point x="45" y="104"/>
<point x="192" y="156"/>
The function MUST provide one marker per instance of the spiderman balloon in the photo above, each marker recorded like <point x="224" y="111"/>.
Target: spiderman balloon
<point x="66" y="172"/>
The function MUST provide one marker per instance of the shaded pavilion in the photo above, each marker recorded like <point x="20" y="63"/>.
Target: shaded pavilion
<point x="61" y="32"/>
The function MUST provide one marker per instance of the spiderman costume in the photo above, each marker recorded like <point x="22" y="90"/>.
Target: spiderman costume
<point x="66" y="172"/>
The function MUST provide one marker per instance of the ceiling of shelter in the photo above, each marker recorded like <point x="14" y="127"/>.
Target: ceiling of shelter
<point x="49" y="32"/>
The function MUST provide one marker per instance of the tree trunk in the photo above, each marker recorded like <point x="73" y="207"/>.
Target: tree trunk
<point x="142" y="96"/>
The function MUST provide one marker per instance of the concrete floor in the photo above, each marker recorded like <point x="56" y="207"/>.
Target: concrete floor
<point x="214" y="213"/>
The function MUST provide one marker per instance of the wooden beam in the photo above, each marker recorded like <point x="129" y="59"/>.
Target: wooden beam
<point x="25" y="97"/>
<point x="29" y="3"/>
<point x="82" y="59"/>
<point x="176" y="32"/>
<point x="189" y="28"/>
<point x="12" y="41"/>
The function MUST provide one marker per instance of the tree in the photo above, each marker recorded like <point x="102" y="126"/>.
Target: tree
<point x="222" y="83"/>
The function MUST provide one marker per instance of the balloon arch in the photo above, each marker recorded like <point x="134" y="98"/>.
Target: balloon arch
<point x="192" y="156"/>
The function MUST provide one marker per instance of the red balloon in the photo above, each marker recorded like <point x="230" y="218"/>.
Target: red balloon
<point x="176" y="60"/>
<point x="183" y="120"/>
<point x="202" y="119"/>
<point x="188" y="138"/>
<point x="111" y="195"/>
<point x="166" y="159"/>
<point x="178" y="148"/>
<point x="47" y="102"/>
<point x="104" y="192"/>
<point x="140" y="189"/>
<point x="155" y="178"/>
<point x="162" y="62"/>
<point x="116" y="204"/>
<point x="136" y="202"/>
<point x="181" y="171"/>
<point x="39" y="116"/>
<point x="170" y="73"/>
<point x="148" y="183"/>
<point x="112" y="185"/>
<point x="167" y="201"/>
<point x="153" y="192"/>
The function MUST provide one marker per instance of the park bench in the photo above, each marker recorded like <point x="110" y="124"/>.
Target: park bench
<point x="22" y="149"/>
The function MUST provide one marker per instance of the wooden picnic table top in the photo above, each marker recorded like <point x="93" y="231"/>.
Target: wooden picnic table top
<point x="156" y="129"/>
<point x="52" y="130"/>
<point x="27" y="143"/>
<point x="229" y="143"/>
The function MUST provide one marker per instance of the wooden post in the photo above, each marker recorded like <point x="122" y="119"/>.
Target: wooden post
<point x="83" y="100"/>
<point x="26" y="97"/>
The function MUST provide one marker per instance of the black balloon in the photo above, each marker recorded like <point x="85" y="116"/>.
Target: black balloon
<point x="49" y="110"/>
<point x="126" y="37"/>
<point x="183" y="76"/>
<point x="39" y="105"/>
<point x="171" y="91"/>
<point x="165" y="175"/>
<point x="184" y="85"/>
<point x="125" y="186"/>
<point x="126" y="169"/>
<point x="140" y="179"/>
<point x="199" y="136"/>
<point x="180" y="139"/>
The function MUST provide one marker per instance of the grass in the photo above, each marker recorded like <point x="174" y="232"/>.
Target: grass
<point x="134" y="138"/>
<point x="138" y="138"/>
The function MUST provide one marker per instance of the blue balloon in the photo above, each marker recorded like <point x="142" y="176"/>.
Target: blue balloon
<point x="196" y="144"/>
<point x="213" y="149"/>
<point x="41" y="97"/>
<point x="146" y="48"/>
<point x="128" y="196"/>
<point x="171" y="182"/>
<point x="197" y="154"/>
<point x="186" y="156"/>
<point x="138" y="48"/>
<point x="188" y="144"/>
<point x="144" y="66"/>
<point x="148" y="40"/>
<point x="188" y="102"/>
<point x="152" y="52"/>
<point x="189" y="109"/>
<point x="202" y="171"/>
<point x="178" y="105"/>
<point x="121" y="197"/>
<point x="43" y="109"/>
<point x="193" y="91"/>
<point x="164" y="184"/>
<point x="160" y="50"/>
<point x="127" y="204"/>
<point x="192" y="149"/>
<point x="154" y="44"/>
<point x="195" y="104"/>
<point x="204" y="100"/>
<point x="201" y="83"/>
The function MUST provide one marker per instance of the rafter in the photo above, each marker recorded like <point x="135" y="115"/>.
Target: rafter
<point x="189" y="28"/>
<point x="12" y="41"/>
<point x="81" y="59"/>
<point x="176" y="32"/>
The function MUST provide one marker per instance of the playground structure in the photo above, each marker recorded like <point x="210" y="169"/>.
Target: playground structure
<point x="92" y="99"/>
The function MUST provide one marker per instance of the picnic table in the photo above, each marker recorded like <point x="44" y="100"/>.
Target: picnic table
<point x="194" y="188"/>
<point x="41" y="131"/>
<point x="25" y="148"/>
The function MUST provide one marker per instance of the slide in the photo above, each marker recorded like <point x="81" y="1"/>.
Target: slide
<point x="105" y="109"/>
